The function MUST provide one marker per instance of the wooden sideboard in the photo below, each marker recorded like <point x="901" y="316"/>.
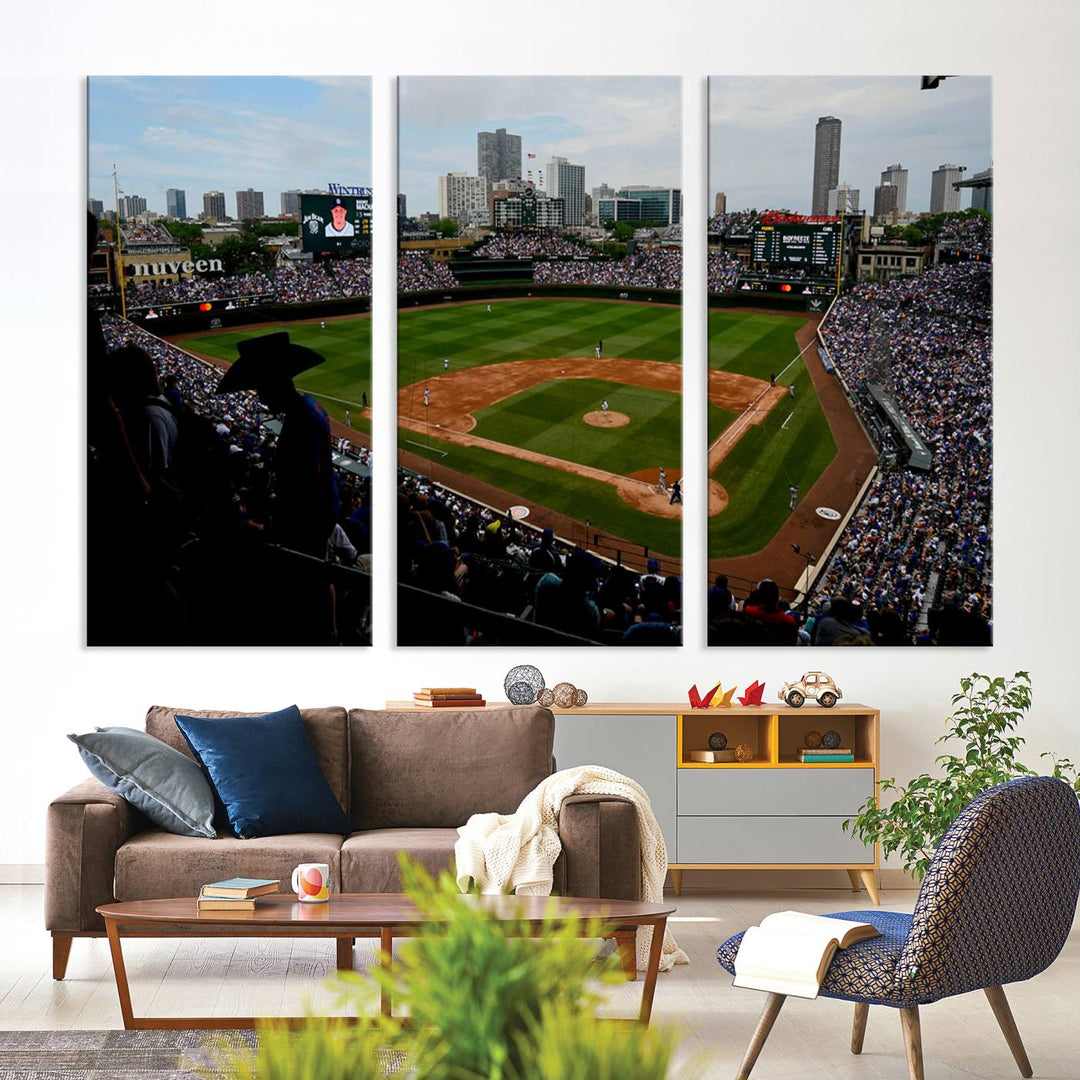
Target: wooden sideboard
<point x="772" y="812"/>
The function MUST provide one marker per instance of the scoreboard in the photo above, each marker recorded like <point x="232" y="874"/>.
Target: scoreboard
<point x="336" y="223"/>
<point x="809" y="245"/>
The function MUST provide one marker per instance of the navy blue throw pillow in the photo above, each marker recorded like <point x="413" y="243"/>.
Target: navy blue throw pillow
<point x="266" y="774"/>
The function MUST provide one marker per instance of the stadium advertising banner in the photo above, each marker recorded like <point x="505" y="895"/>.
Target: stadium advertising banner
<point x="336" y="223"/>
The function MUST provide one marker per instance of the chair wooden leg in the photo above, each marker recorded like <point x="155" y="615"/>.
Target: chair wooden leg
<point x="853" y="877"/>
<point x="867" y="877"/>
<point x="61" y="950"/>
<point x="909" y="1019"/>
<point x="1000" y="1004"/>
<point x="858" y="1028"/>
<point x="768" y="1016"/>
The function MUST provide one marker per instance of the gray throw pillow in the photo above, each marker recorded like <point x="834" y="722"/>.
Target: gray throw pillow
<point x="167" y="786"/>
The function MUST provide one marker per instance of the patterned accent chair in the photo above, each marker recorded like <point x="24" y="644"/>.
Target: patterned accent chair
<point x="995" y="907"/>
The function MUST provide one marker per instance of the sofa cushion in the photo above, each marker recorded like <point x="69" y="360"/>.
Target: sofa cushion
<point x="167" y="786"/>
<point x="265" y="772"/>
<point x="369" y="859"/>
<point x="159" y="865"/>
<point x="326" y="728"/>
<point x="436" y="768"/>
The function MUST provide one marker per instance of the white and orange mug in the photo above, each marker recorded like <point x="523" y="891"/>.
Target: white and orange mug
<point x="311" y="882"/>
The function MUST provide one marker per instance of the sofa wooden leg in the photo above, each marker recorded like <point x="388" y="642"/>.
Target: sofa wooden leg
<point x="1000" y="1004"/>
<point x="909" y="1020"/>
<point x="853" y="877"/>
<point x="61" y="950"/>
<point x="676" y="881"/>
<point x="768" y="1016"/>
<point x="858" y="1028"/>
<point x="867" y="878"/>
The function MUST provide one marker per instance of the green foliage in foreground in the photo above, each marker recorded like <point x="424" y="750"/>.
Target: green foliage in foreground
<point x="488" y="1001"/>
<point x="986" y="713"/>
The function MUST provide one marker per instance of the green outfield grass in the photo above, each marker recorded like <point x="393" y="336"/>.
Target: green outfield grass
<point x="547" y="418"/>
<point x="530" y="330"/>
<point x="337" y="383"/>
<point x="756" y="344"/>
<point x="792" y="446"/>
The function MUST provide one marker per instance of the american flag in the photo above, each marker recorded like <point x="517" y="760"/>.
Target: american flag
<point x="532" y="155"/>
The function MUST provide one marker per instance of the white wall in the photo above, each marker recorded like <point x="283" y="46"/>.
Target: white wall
<point x="53" y="685"/>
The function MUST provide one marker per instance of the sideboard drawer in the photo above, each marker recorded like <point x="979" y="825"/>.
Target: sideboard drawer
<point x="768" y="840"/>
<point x="811" y="789"/>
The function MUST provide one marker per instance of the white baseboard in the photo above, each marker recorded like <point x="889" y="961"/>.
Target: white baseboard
<point x="22" y="873"/>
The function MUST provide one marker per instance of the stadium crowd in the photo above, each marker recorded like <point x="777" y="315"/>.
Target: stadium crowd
<point x="649" y="268"/>
<point x="723" y="271"/>
<point x="970" y="234"/>
<point x="530" y="245"/>
<point x="458" y="549"/>
<point x="186" y="503"/>
<point x="736" y="223"/>
<point x="419" y="272"/>
<point x="155" y="233"/>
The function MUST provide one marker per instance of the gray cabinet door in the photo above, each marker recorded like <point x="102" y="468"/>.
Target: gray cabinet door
<point x="767" y="840"/>
<point x="641" y="747"/>
<point x="811" y="789"/>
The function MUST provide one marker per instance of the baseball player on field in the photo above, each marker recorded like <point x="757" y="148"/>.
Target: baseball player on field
<point x="427" y="396"/>
<point x="662" y="485"/>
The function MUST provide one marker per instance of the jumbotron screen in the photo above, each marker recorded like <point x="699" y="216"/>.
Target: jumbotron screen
<point x="796" y="245"/>
<point x="336" y="223"/>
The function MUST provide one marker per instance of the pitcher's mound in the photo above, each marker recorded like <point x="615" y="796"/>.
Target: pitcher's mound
<point x="599" y="418"/>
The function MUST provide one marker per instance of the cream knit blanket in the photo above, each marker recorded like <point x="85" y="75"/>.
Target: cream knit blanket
<point x="517" y="852"/>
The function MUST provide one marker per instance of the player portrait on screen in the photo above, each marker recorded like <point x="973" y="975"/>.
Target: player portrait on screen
<point x="338" y="225"/>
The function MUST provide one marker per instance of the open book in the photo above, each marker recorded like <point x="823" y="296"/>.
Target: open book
<point x="790" y="951"/>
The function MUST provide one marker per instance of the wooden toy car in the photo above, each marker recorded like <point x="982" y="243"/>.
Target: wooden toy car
<point x="814" y="684"/>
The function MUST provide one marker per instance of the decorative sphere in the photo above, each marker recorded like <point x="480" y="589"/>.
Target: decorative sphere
<point x="830" y="740"/>
<point x="564" y="694"/>
<point x="522" y="684"/>
<point x="580" y="698"/>
<point x="545" y="698"/>
<point x="717" y="740"/>
<point x="743" y="753"/>
<point x="812" y="740"/>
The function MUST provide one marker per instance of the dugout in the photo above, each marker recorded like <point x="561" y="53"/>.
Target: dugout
<point x="919" y="455"/>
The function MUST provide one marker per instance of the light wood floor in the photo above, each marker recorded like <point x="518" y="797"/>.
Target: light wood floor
<point x="810" y="1040"/>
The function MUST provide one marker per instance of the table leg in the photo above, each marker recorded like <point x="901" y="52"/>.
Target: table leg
<point x="386" y="959"/>
<point x="120" y="972"/>
<point x="626" y="940"/>
<point x="652" y="971"/>
<point x="345" y="953"/>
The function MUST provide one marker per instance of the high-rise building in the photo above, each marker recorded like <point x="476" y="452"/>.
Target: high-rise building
<point x="720" y="203"/>
<point x="567" y="182"/>
<point x="886" y="199"/>
<point x="95" y="206"/>
<point x="843" y="199"/>
<point x="826" y="163"/>
<point x="402" y="204"/>
<point x="460" y="195"/>
<point x="290" y="202"/>
<point x="213" y="203"/>
<point x="131" y="206"/>
<point x="249" y="204"/>
<point x="897" y="176"/>
<point x="619" y="209"/>
<point x="944" y="198"/>
<point x="498" y="155"/>
<point x="175" y="202"/>
<point x="658" y="204"/>
<point x="982" y="195"/>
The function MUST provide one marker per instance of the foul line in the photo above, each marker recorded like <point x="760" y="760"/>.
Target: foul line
<point x="424" y="446"/>
<point x="784" y="424"/>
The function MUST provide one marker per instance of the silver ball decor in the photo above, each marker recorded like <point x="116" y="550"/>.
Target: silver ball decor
<point x="717" y="741"/>
<point x="830" y="740"/>
<point x="522" y="684"/>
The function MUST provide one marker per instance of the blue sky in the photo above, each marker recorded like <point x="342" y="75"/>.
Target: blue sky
<point x="761" y="135"/>
<point x="226" y="134"/>
<point x="623" y="130"/>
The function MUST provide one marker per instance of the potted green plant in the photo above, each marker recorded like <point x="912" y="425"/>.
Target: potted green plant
<point x="986" y="713"/>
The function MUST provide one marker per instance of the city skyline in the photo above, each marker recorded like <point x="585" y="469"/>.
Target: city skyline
<point x="226" y="134"/>
<point x="762" y="129"/>
<point x="623" y="130"/>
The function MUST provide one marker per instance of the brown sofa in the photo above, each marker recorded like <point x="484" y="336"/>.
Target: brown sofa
<point x="406" y="781"/>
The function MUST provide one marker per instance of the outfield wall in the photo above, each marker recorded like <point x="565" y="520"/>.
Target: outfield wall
<point x="464" y="293"/>
<point x="252" y="316"/>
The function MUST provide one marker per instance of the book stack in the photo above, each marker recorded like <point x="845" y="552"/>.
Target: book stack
<point x="712" y="757"/>
<point x="821" y="755"/>
<point x="235" y="894"/>
<point x="448" y="697"/>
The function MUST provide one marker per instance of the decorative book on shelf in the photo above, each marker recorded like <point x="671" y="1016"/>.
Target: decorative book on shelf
<point x="448" y="697"/>
<point x="790" y="952"/>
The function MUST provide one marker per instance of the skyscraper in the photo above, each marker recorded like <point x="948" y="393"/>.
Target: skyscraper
<point x="290" y="202"/>
<point x="175" y="202"/>
<point x="463" y="198"/>
<point x="95" y="206"/>
<point x="213" y="203"/>
<point x="886" y="197"/>
<point x="944" y="198"/>
<point x="498" y="155"/>
<point x="132" y="206"/>
<point x="567" y="182"/>
<point x="658" y="204"/>
<point x="720" y="203"/>
<point x="897" y="176"/>
<point x="249" y="204"/>
<point x="826" y="163"/>
<point x="843" y="199"/>
<point x="982" y="197"/>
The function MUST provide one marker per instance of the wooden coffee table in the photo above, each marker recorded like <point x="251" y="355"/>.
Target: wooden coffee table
<point x="349" y="916"/>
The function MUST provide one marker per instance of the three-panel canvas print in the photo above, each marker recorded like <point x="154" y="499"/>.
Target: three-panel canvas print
<point x="539" y="377"/>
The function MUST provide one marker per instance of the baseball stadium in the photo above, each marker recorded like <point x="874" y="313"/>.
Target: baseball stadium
<point x="539" y="444"/>
<point x="850" y="489"/>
